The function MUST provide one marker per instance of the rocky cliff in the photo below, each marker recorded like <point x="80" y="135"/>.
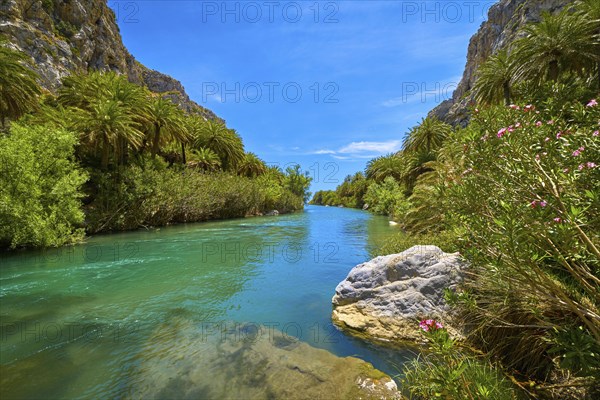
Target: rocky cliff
<point x="65" y="36"/>
<point x="505" y="20"/>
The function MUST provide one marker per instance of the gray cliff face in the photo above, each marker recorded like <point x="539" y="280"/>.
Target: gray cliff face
<point x="66" y="36"/>
<point x="505" y="21"/>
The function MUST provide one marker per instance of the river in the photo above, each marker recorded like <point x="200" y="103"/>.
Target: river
<point x="74" y="320"/>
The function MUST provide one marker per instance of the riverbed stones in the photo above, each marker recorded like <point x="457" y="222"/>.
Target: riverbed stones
<point x="183" y="360"/>
<point x="383" y="299"/>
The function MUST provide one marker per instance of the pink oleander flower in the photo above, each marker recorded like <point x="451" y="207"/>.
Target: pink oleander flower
<point x="578" y="152"/>
<point x="538" y="123"/>
<point x="430" y="324"/>
<point x="514" y="107"/>
<point x="518" y="125"/>
<point x="566" y="170"/>
<point x="529" y="107"/>
<point x="547" y="139"/>
<point x="559" y="135"/>
<point x="596" y="133"/>
<point x="551" y="122"/>
<point x="590" y="164"/>
<point x="541" y="203"/>
<point x="537" y="157"/>
<point x="557" y="220"/>
<point x="592" y="103"/>
<point x="503" y="132"/>
<point x="581" y="167"/>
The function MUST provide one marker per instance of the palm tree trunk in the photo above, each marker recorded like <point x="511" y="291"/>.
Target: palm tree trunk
<point x="553" y="70"/>
<point x="598" y="67"/>
<point x="506" y="88"/>
<point x="155" y="140"/>
<point x="105" y="154"/>
<point x="125" y="153"/>
<point x="183" y="160"/>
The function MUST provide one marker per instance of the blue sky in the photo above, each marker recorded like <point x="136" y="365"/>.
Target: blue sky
<point x="328" y="84"/>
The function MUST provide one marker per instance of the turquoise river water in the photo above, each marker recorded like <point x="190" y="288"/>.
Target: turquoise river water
<point x="75" y="320"/>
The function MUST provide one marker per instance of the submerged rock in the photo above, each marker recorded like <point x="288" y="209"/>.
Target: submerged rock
<point x="272" y="213"/>
<point x="183" y="360"/>
<point x="383" y="299"/>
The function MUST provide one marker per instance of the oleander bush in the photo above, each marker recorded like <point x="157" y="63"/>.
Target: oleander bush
<point x="529" y="201"/>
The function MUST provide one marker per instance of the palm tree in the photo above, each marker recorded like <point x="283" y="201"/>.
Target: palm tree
<point x="252" y="166"/>
<point x="428" y="136"/>
<point x="590" y="10"/>
<point x="381" y="167"/>
<point x="106" y="124"/>
<point x="18" y="85"/>
<point x="165" y="120"/>
<point x="226" y="143"/>
<point x="494" y="79"/>
<point x="109" y="96"/>
<point x="79" y="90"/>
<point x="416" y="163"/>
<point x="208" y="160"/>
<point x="559" y="43"/>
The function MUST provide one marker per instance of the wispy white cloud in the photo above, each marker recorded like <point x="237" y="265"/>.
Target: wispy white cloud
<point x="324" y="151"/>
<point x="371" y="147"/>
<point x="362" y="150"/>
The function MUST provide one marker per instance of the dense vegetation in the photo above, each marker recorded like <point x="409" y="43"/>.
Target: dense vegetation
<point x="517" y="192"/>
<point x="105" y="154"/>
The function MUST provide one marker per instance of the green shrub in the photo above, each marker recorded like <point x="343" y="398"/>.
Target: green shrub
<point x="39" y="187"/>
<point x="448" y="372"/>
<point x="386" y="198"/>
<point x="445" y="240"/>
<point x="155" y="195"/>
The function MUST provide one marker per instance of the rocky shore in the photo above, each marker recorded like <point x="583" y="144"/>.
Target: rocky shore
<point x="384" y="299"/>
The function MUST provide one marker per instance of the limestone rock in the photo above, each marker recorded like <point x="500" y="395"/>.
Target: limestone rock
<point x="63" y="37"/>
<point x="383" y="299"/>
<point x="505" y="21"/>
<point x="183" y="361"/>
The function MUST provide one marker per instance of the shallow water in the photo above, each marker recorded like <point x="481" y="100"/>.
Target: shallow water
<point x="75" y="322"/>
